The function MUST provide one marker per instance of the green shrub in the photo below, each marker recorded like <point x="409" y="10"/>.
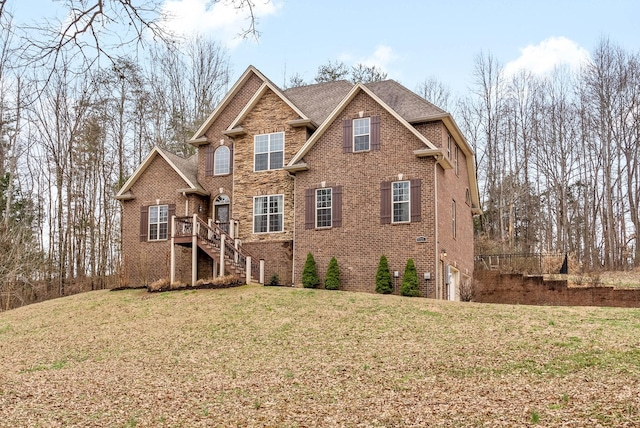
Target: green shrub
<point x="383" y="277"/>
<point x="274" y="280"/>
<point x="310" y="273"/>
<point x="332" y="279"/>
<point x="410" y="280"/>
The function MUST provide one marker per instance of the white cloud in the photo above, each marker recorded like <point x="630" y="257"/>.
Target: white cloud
<point x="382" y="57"/>
<point x="544" y="57"/>
<point x="220" y="19"/>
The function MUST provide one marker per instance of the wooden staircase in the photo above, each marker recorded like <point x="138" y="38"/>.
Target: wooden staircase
<point x="217" y="244"/>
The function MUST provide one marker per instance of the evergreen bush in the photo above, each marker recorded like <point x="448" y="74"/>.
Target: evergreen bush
<point x="274" y="280"/>
<point x="383" y="277"/>
<point x="310" y="273"/>
<point x="332" y="279"/>
<point x="410" y="280"/>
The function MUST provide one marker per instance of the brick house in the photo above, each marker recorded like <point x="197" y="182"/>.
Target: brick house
<point x="335" y="169"/>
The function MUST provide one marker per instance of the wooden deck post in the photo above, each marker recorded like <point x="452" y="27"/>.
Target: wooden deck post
<point x="194" y="250"/>
<point x="248" y="271"/>
<point x="172" y="274"/>
<point x="262" y="271"/>
<point x="222" y="239"/>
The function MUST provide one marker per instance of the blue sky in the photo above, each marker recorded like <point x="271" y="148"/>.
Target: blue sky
<point x="411" y="40"/>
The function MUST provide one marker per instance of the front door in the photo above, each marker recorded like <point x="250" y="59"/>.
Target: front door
<point x="222" y="217"/>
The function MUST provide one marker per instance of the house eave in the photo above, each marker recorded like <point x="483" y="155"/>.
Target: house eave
<point x="192" y="191"/>
<point x="124" y="197"/>
<point x="438" y="154"/>
<point x="235" y="132"/>
<point x="198" y="141"/>
<point x="301" y="123"/>
<point x="296" y="167"/>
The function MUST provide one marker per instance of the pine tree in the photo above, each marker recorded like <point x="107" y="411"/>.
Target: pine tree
<point x="332" y="279"/>
<point x="383" y="277"/>
<point x="310" y="273"/>
<point x="410" y="280"/>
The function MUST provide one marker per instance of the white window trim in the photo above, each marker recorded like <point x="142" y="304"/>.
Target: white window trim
<point x="330" y="208"/>
<point x="158" y="223"/>
<point x="215" y="160"/>
<point x="408" y="202"/>
<point x="268" y="214"/>
<point x="353" y="137"/>
<point x="268" y="152"/>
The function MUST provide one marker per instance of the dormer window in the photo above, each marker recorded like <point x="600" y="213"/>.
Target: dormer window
<point x="268" y="151"/>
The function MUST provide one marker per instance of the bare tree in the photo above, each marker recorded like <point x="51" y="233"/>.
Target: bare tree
<point x="436" y="92"/>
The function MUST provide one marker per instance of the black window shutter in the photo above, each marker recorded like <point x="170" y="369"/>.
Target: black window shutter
<point x="347" y="136"/>
<point x="230" y="158"/>
<point x="171" y="211"/>
<point x="375" y="132"/>
<point x="336" y="206"/>
<point x="208" y="161"/>
<point x="416" y="201"/>
<point x="144" y="223"/>
<point x="309" y="209"/>
<point x="385" y="202"/>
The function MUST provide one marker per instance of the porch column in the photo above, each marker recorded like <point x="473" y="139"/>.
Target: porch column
<point x="194" y="250"/>
<point x="222" y="239"/>
<point x="262" y="271"/>
<point x="248" y="271"/>
<point x="232" y="228"/>
<point x="172" y="270"/>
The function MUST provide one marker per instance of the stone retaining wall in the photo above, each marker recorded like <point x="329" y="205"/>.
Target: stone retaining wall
<point x="494" y="287"/>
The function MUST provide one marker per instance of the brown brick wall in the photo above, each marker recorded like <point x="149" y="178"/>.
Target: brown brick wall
<point x="516" y="289"/>
<point x="361" y="240"/>
<point x="452" y="186"/>
<point x="278" y="258"/>
<point x="146" y="262"/>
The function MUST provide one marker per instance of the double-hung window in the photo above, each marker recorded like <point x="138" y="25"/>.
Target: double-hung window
<point x="158" y="222"/>
<point x="323" y="207"/>
<point x="268" y="151"/>
<point x="268" y="214"/>
<point x="361" y="134"/>
<point x="401" y="201"/>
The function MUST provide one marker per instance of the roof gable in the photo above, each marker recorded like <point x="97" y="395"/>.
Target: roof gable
<point x="185" y="168"/>
<point x="267" y="85"/>
<point x="249" y="72"/>
<point x="358" y="88"/>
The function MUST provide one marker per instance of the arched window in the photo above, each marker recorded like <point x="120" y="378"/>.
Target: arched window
<point x="222" y="161"/>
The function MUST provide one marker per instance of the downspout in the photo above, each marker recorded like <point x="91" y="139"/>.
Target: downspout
<point x="437" y="247"/>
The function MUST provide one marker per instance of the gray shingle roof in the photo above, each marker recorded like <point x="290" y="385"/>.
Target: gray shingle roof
<point x="406" y="103"/>
<point x="318" y="101"/>
<point x="188" y="167"/>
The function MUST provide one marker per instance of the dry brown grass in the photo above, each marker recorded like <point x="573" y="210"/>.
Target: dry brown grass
<point x="282" y="357"/>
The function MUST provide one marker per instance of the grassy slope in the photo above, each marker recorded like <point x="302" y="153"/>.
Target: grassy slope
<point x="261" y="356"/>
